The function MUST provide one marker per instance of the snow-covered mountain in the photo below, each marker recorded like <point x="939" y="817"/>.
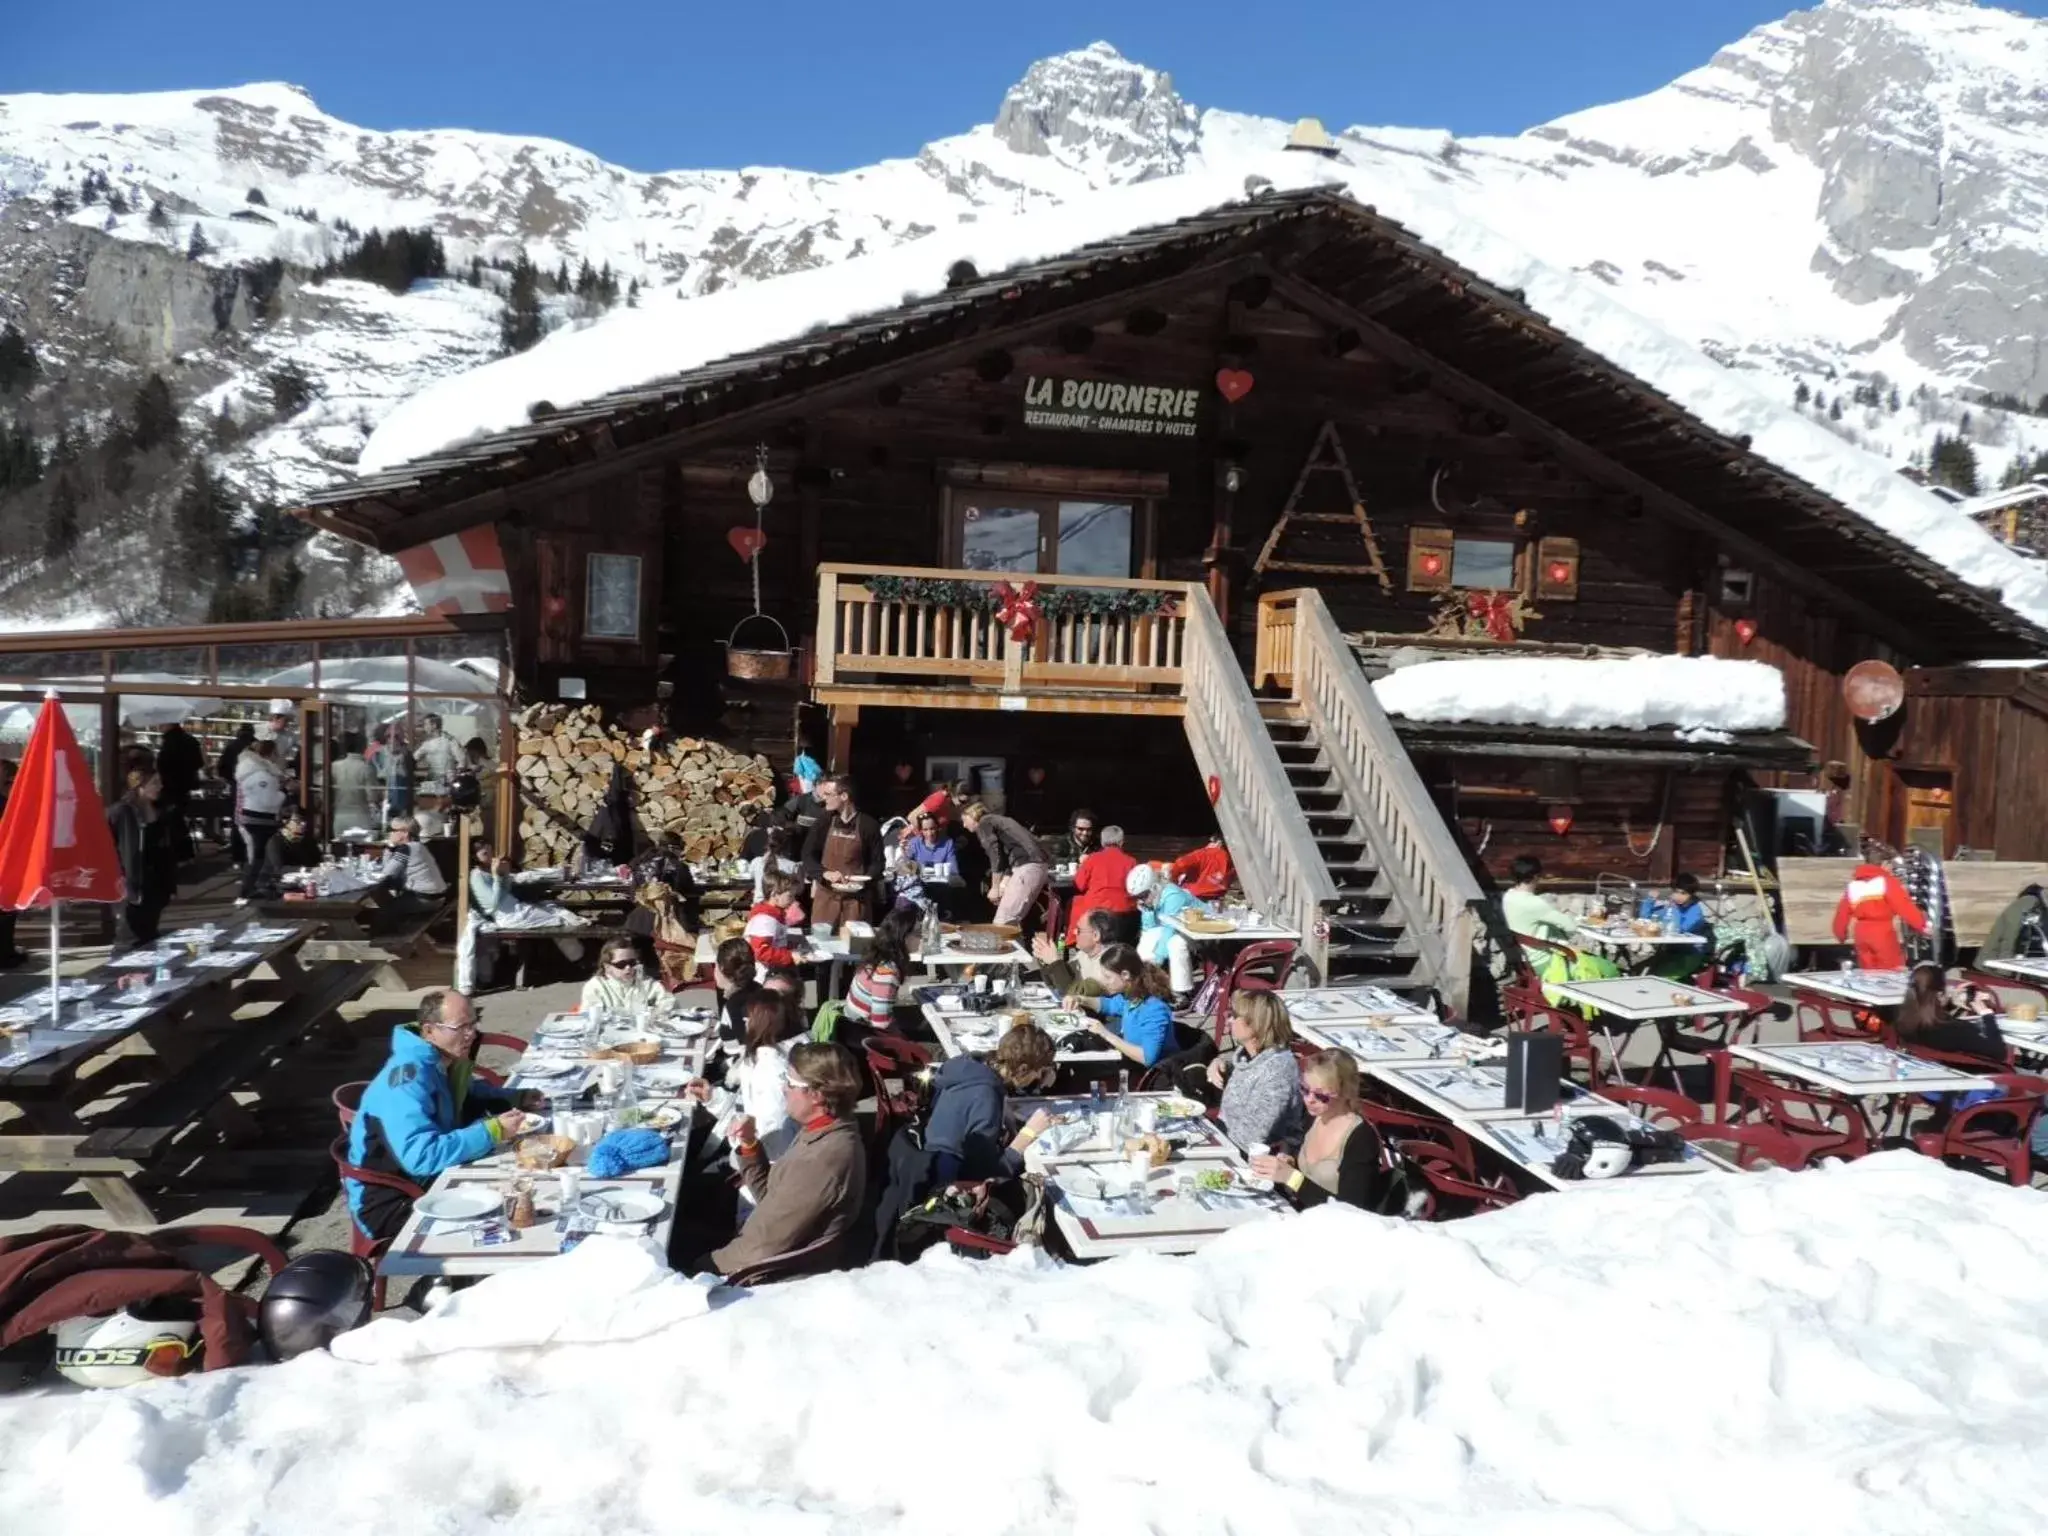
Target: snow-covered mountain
<point x="1855" y="198"/>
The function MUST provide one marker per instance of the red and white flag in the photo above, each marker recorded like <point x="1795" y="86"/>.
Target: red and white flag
<point x="459" y="573"/>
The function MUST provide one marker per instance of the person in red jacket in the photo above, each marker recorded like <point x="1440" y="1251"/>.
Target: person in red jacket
<point x="1205" y="873"/>
<point x="1873" y="906"/>
<point x="1099" y="882"/>
<point x="770" y="920"/>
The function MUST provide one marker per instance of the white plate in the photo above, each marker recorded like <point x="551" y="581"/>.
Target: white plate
<point x="459" y="1205"/>
<point x="619" y="1035"/>
<point x="620" y="1207"/>
<point x="1080" y="1182"/>
<point x="566" y="1024"/>
<point x="688" y="1028"/>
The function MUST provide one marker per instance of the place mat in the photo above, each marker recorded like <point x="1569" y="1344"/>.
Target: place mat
<point x="99" y="1023"/>
<point x="32" y="1050"/>
<point x="1883" y="985"/>
<point x="223" y="960"/>
<point x="1854" y="1062"/>
<point x="1399" y="1040"/>
<point x="190" y="936"/>
<point x="144" y="959"/>
<point x="1466" y="1087"/>
<point x="1345" y="1003"/>
<point x="264" y="935"/>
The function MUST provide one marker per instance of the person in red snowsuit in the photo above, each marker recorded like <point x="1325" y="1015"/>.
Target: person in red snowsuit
<point x="1873" y="906"/>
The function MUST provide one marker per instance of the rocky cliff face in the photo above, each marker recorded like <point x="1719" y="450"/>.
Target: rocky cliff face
<point x="1855" y="196"/>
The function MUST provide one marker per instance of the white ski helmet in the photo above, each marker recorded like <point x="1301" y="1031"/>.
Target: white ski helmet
<point x="142" y="1341"/>
<point x="1141" y="882"/>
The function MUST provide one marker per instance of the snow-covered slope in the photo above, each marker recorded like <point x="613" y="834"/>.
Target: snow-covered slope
<point x="1855" y="198"/>
<point x="1849" y="1349"/>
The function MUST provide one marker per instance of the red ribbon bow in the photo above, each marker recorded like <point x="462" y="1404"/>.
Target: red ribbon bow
<point x="1017" y="609"/>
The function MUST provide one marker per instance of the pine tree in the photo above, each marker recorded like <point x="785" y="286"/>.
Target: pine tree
<point x="224" y="430"/>
<point x="1963" y="426"/>
<point x="203" y="519"/>
<point x="18" y="366"/>
<point x="1953" y="462"/>
<point x="64" y="451"/>
<point x="476" y="271"/>
<point x="291" y="389"/>
<point x="88" y="190"/>
<point x="60" y="528"/>
<point x="586" y="280"/>
<point x="159" y="216"/>
<point x="633" y="294"/>
<point x="1893" y="401"/>
<point x="198" y="245"/>
<point x="1802" y="394"/>
<point x="62" y="203"/>
<point x="256" y="197"/>
<point x="154" y="420"/>
<point x="117" y="202"/>
<point x="562" y="276"/>
<point x="521" y="326"/>
<point x="1835" y="409"/>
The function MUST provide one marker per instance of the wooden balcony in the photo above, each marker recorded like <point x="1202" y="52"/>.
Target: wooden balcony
<point x="893" y="636"/>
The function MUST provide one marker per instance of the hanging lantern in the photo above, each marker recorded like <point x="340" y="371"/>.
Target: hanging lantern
<point x="1560" y="818"/>
<point x="1745" y="630"/>
<point x="760" y="489"/>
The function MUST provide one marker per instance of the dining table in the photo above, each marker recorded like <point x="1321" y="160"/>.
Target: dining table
<point x="1365" y="1004"/>
<point x="1100" y="1208"/>
<point x="562" y="1065"/>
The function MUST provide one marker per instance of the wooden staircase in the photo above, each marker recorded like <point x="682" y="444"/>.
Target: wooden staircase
<point x="1330" y="826"/>
<point x="1368" y="937"/>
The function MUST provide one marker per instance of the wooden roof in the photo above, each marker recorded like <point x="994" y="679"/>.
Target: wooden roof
<point x="1343" y="263"/>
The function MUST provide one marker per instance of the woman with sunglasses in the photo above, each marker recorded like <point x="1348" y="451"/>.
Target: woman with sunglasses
<point x="621" y="987"/>
<point x="1341" y="1156"/>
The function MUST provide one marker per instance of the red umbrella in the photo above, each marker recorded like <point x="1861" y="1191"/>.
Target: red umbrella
<point x="55" y="845"/>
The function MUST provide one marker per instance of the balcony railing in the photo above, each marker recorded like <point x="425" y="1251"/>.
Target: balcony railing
<point x="922" y="634"/>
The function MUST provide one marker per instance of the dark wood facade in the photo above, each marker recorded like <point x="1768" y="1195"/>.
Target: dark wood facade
<point x="1468" y="421"/>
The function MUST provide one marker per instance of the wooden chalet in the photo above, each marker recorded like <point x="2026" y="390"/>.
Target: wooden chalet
<point x="1223" y="449"/>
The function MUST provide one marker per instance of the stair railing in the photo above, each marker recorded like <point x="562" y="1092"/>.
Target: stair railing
<point x="1433" y="886"/>
<point x="1277" y="860"/>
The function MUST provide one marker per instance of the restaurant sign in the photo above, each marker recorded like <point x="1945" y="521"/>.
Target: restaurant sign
<point x="1096" y="405"/>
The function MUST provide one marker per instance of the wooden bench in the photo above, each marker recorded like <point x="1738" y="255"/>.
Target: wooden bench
<point x="143" y="1126"/>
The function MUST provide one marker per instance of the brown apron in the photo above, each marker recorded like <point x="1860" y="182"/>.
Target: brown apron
<point x="842" y="857"/>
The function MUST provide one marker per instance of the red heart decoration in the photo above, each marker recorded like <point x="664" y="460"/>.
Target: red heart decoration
<point x="1215" y="787"/>
<point x="903" y="772"/>
<point x="746" y="542"/>
<point x="1233" y="384"/>
<point x="1035" y="775"/>
<point x="1432" y="565"/>
<point x="1745" y="630"/>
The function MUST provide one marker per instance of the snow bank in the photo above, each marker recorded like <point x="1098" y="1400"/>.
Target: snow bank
<point x="1852" y="1349"/>
<point x="1695" y="693"/>
<point x="667" y="336"/>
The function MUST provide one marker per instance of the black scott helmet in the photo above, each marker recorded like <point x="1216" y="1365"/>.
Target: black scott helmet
<point x="311" y="1300"/>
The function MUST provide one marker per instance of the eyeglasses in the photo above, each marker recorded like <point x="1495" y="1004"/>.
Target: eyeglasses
<point x="628" y="964"/>
<point x="457" y="1030"/>
<point x="1316" y="1095"/>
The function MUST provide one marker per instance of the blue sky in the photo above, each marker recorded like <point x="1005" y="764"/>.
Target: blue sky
<point x="655" y="84"/>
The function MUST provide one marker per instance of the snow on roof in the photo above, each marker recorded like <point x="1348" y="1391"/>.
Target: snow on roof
<point x="1327" y="1372"/>
<point x="1692" y="693"/>
<point x="666" y="335"/>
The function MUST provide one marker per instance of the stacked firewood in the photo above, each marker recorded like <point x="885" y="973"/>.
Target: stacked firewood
<point x="697" y="790"/>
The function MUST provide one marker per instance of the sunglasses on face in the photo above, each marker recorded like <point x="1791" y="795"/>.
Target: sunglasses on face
<point x="628" y="964"/>
<point x="1317" y="1095"/>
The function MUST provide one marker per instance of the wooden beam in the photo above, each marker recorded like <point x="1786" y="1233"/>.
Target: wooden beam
<point x="883" y="697"/>
<point x="469" y="510"/>
<point x="1591" y="461"/>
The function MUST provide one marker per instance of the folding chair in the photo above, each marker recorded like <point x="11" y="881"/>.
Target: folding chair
<point x="1753" y="1144"/>
<point x="813" y="1258"/>
<point x="361" y="1243"/>
<point x="1450" y="1185"/>
<point x="1260" y="967"/>
<point x="348" y="1102"/>
<point x="491" y="1075"/>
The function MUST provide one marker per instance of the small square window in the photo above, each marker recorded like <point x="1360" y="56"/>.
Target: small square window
<point x="1486" y="565"/>
<point x="611" y="606"/>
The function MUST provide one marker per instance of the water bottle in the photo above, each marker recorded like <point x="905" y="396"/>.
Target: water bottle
<point x="163" y="975"/>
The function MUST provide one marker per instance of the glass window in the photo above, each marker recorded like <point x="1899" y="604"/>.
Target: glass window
<point x="1484" y="564"/>
<point x="1095" y="538"/>
<point x="363" y="666"/>
<point x="57" y="666"/>
<point x="164" y="664"/>
<point x="439" y="661"/>
<point x="289" y="664"/>
<point x="611" y="605"/>
<point x="999" y="538"/>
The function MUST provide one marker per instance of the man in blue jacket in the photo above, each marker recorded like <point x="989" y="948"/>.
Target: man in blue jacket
<point x="421" y="1113"/>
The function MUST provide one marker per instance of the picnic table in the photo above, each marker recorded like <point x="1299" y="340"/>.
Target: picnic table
<point x="1087" y="1184"/>
<point x="1858" y="1069"/>
<point x="1469" y="1092"/>
<point x="1851" y="984"/>
<point x="182" y="999"/>
<point x="559" y="1064"/>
